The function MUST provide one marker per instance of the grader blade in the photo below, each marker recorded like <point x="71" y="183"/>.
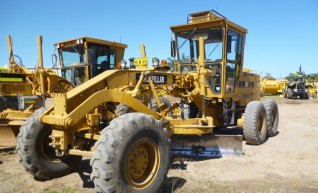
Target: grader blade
<point x="10" y="123"/>
<point x="206" y="146"/>
<point x="8" y="136"/>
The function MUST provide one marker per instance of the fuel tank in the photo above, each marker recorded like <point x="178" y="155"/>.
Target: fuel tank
<point x="270" y="87"/>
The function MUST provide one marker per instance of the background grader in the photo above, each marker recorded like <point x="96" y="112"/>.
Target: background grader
<point x="296" y="87"/>
<point x="131" y="133"/>
<point x="23" y="90"/>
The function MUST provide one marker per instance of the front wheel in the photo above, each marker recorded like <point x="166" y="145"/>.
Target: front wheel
<point x="132" y="155"/>
<point x="35" y="154"/>
<point x="289" y="93"/>
<point x="306" y="96"/>
<point x="285" y="93"/>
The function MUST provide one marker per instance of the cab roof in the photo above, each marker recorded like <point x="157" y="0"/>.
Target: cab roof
<point x="93" y="40"/>
<point x="207" y="19"/>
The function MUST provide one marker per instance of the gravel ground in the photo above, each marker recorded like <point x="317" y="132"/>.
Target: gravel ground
<point x="286" y="163"/>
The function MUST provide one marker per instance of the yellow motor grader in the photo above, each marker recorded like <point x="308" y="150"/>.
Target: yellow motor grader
<point x="27" y="90"/>
<point x="22" y="91"/>
<point x="133" y="121"/>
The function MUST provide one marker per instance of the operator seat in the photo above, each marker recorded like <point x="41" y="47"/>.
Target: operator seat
<point x="104" y="66"/>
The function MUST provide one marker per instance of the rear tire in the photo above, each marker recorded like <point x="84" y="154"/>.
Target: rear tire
<point x="121" y="109"/>
<point x="35" y="154"/>
<point x="132" y="155"/>
<point x="289" y="94"/>
<point x="285" y="93"/>
<point x="306" y="96"/>
<point x="164" y="101"/>
<point x="255" y="123"/>
<point x="272" y="117"/>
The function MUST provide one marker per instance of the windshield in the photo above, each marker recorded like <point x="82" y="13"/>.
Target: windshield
<point x="73" y="55"/>
<point x="188" y="44"/>
<point x="297" y="78"/>
<point x="301" y="85"/>
<point x="73" y="61"/>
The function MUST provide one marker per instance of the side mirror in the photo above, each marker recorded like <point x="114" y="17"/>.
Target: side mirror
<point x="54" y="60"/>
<point x="173" y="48"/>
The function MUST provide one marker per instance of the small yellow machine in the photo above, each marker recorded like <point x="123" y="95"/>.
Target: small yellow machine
<point x="23" y="90"/>
<point x="118" y="119"/>
<point x="272" y="87"/>
<point x="269" y="87"/>
<point x="282" y="84"/>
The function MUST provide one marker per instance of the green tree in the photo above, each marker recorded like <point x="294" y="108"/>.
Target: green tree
<point x="268" y="76"/>
<point x="170" y="62"/>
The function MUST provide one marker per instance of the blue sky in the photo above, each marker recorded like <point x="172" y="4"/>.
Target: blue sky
<point x="282" y="34"/>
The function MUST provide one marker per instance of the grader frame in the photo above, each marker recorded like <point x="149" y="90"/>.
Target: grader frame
<point x="125" y="118"/>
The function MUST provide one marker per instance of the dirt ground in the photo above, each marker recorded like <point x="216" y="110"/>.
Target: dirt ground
<point x="286" y="163"/>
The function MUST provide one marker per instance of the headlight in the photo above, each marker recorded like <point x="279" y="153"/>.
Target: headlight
<point x="295" y="90"/>
<point x="155" y="62"/>
<point x="79" y="41"/>
<point x="163" y="62"/>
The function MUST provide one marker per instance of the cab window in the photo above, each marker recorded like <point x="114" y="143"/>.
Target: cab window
<point x="112" y="59"/>
<point x="98" y="59"/>
<point x="188" y="47"/>
<point x="233" y="59"/>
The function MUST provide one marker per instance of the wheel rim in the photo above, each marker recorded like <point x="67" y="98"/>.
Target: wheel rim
<point x="46" y="151"/>
<point x="261" y="125"/>
<point x="142" y="163"/>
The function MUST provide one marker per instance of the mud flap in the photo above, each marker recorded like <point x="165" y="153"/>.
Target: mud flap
<point x="206" y="146"/>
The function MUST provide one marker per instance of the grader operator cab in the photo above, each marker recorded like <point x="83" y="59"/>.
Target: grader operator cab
<point x="83" y="58"/>
<point x="131" y="121"/>
<point x="23" y="91"/>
